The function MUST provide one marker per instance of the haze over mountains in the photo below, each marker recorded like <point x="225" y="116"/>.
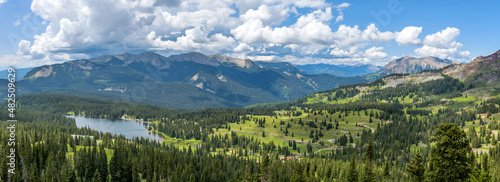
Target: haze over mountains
<point x="340" y="70"/>
<point x="404" y="64"/>
<point x="336" y="70"/>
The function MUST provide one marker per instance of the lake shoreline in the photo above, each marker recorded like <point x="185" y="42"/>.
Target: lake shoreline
<point x="121" y="126"/>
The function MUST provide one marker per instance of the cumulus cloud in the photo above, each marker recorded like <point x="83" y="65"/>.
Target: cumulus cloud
<point x="350" y="36"/>
<point x="442" y="53"/>
<point x="195" y="39"/>
<point x="261" y="29"/>
<point x="375" y="53"/>
<point x="444" y="38"/>
<point x="124" y="25"/>
<point x="409" y="36"/>
<point x="245" y="5"/>
<point x="340" y="52"/>
<point x="442" y="44"/>
<point x="309" y="29"/>
<point x="268" y="15"/>
<point x="2" y="1"/>
<point x="24" y="47"/>
<point x="243" y="48"/>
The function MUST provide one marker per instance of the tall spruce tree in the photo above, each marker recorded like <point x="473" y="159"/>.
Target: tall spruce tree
<point x="386" y="170"/>
<point x="264" y="175"/>
<point x="368" y="175"/>
<point x="449" y="159"/>
<point x="352" y="174"/>
<point x="416" y="168"/>
<point x="97" y="176"/>
<point x="298" y="175"/>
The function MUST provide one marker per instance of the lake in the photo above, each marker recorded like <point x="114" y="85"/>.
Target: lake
<point x="128" y="128"/>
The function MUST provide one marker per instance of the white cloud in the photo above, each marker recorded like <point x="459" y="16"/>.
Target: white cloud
<point x="371" y="33"/>
<point x="444" y="38"/>
<point x="250" y="28"/>
<point x="353" y="36"/>
<point x="245" y="5"/>
<point x="2" y="1"/>
<point x="195" y="39"/>
<point x="268" y="15"/>
<point x="433" y="51"/>
<point x="124" y="25"/>
<point x="409" y="36"/>
<point x="309" y="29"/>
<point x="375" y="53"/>
<point x="443" y="45"/>
<point x="243" y="48"/>
<point x="17" y="22"/>
<point x="24" y="47"/>
<point x="339" y="8"/>
<point x="340" y="52"/>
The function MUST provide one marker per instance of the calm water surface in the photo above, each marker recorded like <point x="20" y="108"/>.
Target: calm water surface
<point x="128" y="128"/>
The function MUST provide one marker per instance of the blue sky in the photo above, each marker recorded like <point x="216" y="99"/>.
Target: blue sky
<point x="38" y="32"/>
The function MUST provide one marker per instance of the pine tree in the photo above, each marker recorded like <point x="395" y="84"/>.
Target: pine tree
<point x="485" y="171"/>
<point x="298" y="176"/>
<point x="352" y="174"/>
<point x="386" y="170"/>
<point x="449" y="159"/>
<point x="51" y="172"/>
<point x="102" y="163"/>
<point x="416" y="168"/>
<point x="264" y="175"/>
<point x="368" y="175"/>
<point x="97" y="176"/>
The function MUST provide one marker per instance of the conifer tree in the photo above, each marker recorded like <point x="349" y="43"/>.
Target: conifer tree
<point x="368" y="175"/>
<point x="449" y="159"/>
<point x="352" y="174"/>
<point x="386" y="170"/>
<point x="97" y="176"/>
<point x="298" y="176"/>
<point x="416" y="168"/>
<point x="264" y="175"/>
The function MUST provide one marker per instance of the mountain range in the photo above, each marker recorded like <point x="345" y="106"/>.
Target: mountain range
<point x="185" y="81"/>
<point x="194" y="80"/>
<point x="340" y="70"/>
<point x="478" y="79"/>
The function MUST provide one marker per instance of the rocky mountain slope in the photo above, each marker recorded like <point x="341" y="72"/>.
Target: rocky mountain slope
<point x="414" y="65"/>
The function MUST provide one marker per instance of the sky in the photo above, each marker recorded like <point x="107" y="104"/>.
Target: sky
<point x="38" y="32"/>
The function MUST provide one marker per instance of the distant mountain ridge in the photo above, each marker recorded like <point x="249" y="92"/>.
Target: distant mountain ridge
<point x="478" y="79"/>
<point x="187" y="81"/>
<point x="340" y="70"/>
<point x="413" y="65"/>
<point x="20" y="72"/>
<point x="311" y="69"/>
<point x="281" y="65"/>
